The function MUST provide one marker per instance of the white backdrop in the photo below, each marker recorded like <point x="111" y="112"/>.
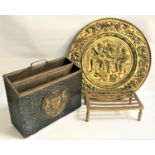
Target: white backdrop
<point x="24" y="39"/>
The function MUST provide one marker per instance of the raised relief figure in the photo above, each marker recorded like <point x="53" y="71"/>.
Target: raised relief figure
<point x="107" y="61"/>
<point x="52" y="105"/>
<point x="55" y="101"/>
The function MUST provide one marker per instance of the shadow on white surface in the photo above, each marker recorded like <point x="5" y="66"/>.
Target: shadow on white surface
<point x="7" y="130"/>
<point x="104" y="115"/>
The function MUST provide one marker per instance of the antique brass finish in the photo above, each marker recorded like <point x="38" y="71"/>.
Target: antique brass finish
<point x="55" y="101"/>
<point x="113" y="55"/>
<point x="126" y="101"/>
<point x="107" y="61"/>
<point x="42" y="93"/>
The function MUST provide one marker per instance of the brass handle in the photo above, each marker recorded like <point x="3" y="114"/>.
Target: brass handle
<point x="44" y="61"/>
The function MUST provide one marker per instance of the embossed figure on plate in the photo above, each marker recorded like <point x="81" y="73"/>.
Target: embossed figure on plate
<point x="55" y="101"/>
<point x="113" y="54"/>
<point x="107" y="61"/>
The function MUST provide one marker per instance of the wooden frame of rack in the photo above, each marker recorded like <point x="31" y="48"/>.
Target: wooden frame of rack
<point x="126" y="100"/>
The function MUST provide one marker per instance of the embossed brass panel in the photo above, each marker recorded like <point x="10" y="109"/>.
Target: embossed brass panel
<point x="113" y="55"/>
<point x="55" y="101"/>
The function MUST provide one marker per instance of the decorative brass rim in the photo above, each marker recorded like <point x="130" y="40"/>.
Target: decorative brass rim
<point x="113" y="54"/>
<point x="55" y="101"/>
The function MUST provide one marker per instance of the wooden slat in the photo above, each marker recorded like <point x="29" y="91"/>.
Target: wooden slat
<point x="98" y="103"/>
<point x="103" y="100"/>
<point x="115" y="104"/>
<point x="116" y="108"/>
<point x="112" y="95"/>
<point x="45" y="85"/>
<point x="30" y="71"/>
<point x="41" y="75"/>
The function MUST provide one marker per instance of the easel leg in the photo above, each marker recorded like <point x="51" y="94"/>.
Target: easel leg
<point x="130" y="100"/>
<point x="140" y="115"/>
<point x="87" y="115"/>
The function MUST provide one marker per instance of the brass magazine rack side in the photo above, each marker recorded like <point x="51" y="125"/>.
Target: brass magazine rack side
<point x="126" y="100"/>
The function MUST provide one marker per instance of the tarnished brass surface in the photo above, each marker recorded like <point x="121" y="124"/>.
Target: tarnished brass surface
<point x="55" y="101"/>
<point x="113" y="55"/>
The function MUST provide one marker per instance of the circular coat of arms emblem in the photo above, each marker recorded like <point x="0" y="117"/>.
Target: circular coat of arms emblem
<point x="55" y="101"/>
<point x="113" y="54"/>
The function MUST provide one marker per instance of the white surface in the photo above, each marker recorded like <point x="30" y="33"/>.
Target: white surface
<point x="74" y="7"/>
<point x="24" y="39"/>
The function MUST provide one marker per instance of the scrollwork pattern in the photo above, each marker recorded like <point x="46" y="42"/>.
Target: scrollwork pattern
<point x="119" y="28"/>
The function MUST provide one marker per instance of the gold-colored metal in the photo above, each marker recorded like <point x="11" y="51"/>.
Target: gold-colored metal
<point x="126" y="101"/>
<point x="55" y="101"/>
<point x="107" y="61"/>
<point x="113" y="55"/>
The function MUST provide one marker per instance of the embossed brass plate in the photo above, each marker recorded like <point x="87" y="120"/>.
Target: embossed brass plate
<point x="113" y="55"/>
<point x="55" y="101"/>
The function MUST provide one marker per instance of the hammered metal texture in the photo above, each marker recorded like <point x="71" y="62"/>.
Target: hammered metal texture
<point x="55" y="101"/>
<point x="113" y="54"/>
<point x="27" y="112"/>
<point x="33" y="118"/>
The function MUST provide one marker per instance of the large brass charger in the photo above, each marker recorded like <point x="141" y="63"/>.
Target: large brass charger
<point x="113" y="54"/>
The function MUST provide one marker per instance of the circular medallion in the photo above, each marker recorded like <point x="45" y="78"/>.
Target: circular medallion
<point x="55" y="101"/>
<point x="113" y="55"/>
